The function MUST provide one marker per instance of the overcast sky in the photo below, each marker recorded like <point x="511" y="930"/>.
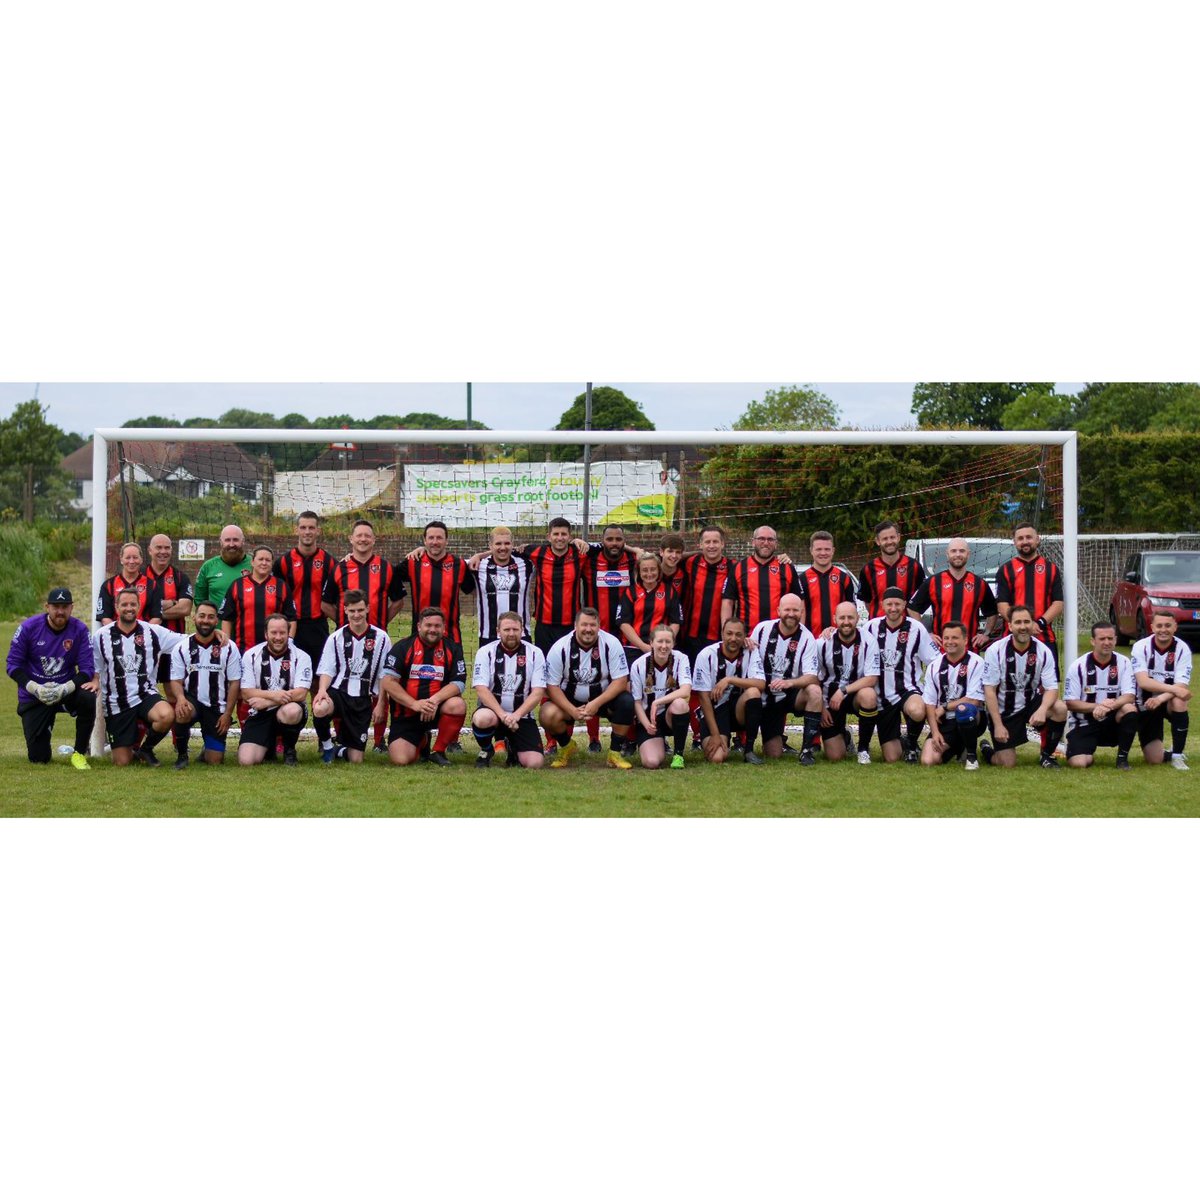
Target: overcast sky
<point x="80" y="407"/>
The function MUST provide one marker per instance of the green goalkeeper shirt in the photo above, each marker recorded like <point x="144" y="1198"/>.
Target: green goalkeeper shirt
<point x="216" y="577"/>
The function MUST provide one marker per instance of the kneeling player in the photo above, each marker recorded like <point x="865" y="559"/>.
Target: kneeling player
<point x="953" y="701"/>
<point x="661" y="679"/>
<point x="1020" y="685"/>
<point x="348" y="681"/>
<point x="276" y="677"/>
<point x="905" y="650"/>
<point x="1100" y="699"/>
<point x="425" y="677"/>
<point x="789" y="657"/>
<point x="510" y="681"/>
<point x="731" y="680"/>
<point x="587" y="678"/>
<point x="205" y="683"/>
<point x="848" y="667"/>
<point x="1162" y="670"/>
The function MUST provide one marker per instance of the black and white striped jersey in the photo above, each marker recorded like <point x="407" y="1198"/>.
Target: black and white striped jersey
<point x="1172" y="665"/>
<point x="1096" y="683"/>
<point x="500" y="589"/>
<point x="268" y="672"/>
<point x="840" y="664"/>
<point x="784" y="657"/>
<point x="510" y="676"/>
<point x="206" y="671"/>
<point x="649" y="682"/>
<point x="353" y="663"/>
<point x="1019" y="677"/>
<point x="127" y="663"/>
<point x="584" y="674"/>
<point x="711" y="665"/>
<point x="904" y="652"/>
<point x="946" y="680"/>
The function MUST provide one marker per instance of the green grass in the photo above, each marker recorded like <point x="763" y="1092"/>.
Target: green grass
<point x="587" y="788"/>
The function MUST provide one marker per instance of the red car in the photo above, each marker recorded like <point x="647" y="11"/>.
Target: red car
<point x="1165" y="581"/>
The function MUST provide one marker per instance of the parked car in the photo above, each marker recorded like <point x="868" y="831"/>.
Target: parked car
<point x="1157" y="581"/>
<point x="988" y="555"/>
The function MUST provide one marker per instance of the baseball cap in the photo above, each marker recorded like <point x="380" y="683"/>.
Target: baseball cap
<point x="894" y="593"/>
<point x="59" y="595"/>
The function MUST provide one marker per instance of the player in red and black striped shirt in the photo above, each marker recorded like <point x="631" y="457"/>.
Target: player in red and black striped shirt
<point x="957" y="594"/>
<point x="254" y="598"/>
<point x="755" y="584"/>
<point x="171" y="602"/>
<point x="131" y="575"/>
<point x="305" y="568"/>
<point x="611" y="571"/>
<point x="824" y="585"/>
<point x="670" y="554"/>
<point x="706" y="574"/>
<point x="364" y="571"/>
<point x="648" y="604"/>
<point x="558" y="567"/>
<point x="889" y="568"/>
<point x="1030" y="580"/>
<point x="436" y="578"/>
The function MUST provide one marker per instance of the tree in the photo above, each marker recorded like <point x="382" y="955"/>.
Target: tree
<point x="611" y="409"/>
<point x="1040" y="410"/>
<point x="29" y="458"/>
<point x="1135" y="407"/>
<point x="790" y="408"/>
<point x="975" y="405"/>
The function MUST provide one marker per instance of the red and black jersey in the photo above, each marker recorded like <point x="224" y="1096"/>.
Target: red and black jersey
<point x="376" y="577"/>
<point x="646" y="609"/>
<point x="173" y="584"/>
<point x="106" y="601"/>
<point x="305" y="575"/>
<point x="703" y="590"/>
<point x="605" y="581"/>
<point x="248" y="604"/>
<point x="676" y="584"/>
<point x="877" y="576"/>
<point x="438" y="585"/>
<point x="756" y="587"/>
<point x="424" y="670"/>
<point x="558" y="577"/>
<point x="1035" y="584"/>
<point x="822" y="592"/>
<point x="951" y="599"/>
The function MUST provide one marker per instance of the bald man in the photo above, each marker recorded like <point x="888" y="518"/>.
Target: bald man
<point x="957" y="594"/>
<point x="218" y="574"/>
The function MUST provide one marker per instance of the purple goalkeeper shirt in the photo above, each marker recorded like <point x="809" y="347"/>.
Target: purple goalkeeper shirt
<point x="49" y="657"/>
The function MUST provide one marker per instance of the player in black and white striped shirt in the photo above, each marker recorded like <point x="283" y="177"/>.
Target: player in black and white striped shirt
<point x="848" y="667"/>
<point x="502" y="579"/>
<point x="1020" y="688"/>
<point x="660" y="683"/>
<point x="1162" y="670"/>
<point x="510" y="682"/>
<point x="789" y="657"/>
<point x="206" y="680"/>
<point x="731" y="681"/>
<point x="348" y="681"/>
<point x="905" y="650"/>
<point x="127" y="654"/>
<point x="1101" y="700"/>
<point x="276" y="676"/>
<point x="953" y="698"/>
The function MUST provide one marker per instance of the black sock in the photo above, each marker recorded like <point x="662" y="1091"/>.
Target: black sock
<point x="752" y="721"/>
<point x="1126" y="732"/>
<point x="866" y="727"/>
<point x="680" y="725"/>
<point x="290" y="735"/>
<point x="812" y="729"/>
<point x="323" y="727"/>
<point x="483" y="737"/>
<point x="914" y="728"/>
<point x="970" y="736"/>
<point x="181" y="739"/>
<point x="152" y="738"/>
<point x="1054" y="732"/>
<point x="616" y="742"/>
<point x="1179" y="731"/>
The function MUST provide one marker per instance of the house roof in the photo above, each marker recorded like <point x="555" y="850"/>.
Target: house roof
<point x="219" y="462"/>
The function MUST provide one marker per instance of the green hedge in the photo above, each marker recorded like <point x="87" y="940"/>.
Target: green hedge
<point x="1131" y="482"/>
<point x="26" y="575"/>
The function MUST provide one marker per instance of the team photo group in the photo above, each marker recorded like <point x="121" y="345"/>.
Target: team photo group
<point x="678" y="650"/>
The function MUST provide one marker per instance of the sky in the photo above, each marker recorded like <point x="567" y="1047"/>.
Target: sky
<point x="80" y="407"/>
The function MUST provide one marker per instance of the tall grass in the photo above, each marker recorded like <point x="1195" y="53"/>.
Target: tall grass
<point x="24" y="576"/>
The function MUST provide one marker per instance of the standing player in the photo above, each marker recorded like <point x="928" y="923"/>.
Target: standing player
<point x="755" y="585"/>
<point x="558" y="569"/>
<point x="50" y="660"/>
<point x="205" y="683"/>
<point x="848" y="665"/>
<point x="216" y="574"/>
<point x="1031" y="580"/>
<point x="731" y="680"/>
<point x="788" y="653"/>
<point x="705" y="575"/>
<point x="502" y="583"/>
<point x="276" y="677"/>
<point x="348" y="682"/>
<point x="957" y="594"/>
<point x="888" y="569"/>
<point x="649" y="603"/>
<point x="1020" y="685"/>
<point x="171" y="599"/>
<point x="436" y="578"/>
<point x="365" y="571"/>
<point x="126" y="654"/>
<point x="1162" y="670"/>
<point x="305" y="568"/>
<point x="587" y="678"/>
<point x="510" y="682"/>
<point x="660" y="682"/>
<point x="253" y="599"/>
<point x="905" y="650"/>
<point x="824" y="585"/>
<point x="670" y="554"/>
<point x="954" y="701"/>
<point x="1100" y="696"/>
<point x="425" y="678"/>
<point x="131" y="575"/>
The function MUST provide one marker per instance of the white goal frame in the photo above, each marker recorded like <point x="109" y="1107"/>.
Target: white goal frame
<point x="1067" y="439"/>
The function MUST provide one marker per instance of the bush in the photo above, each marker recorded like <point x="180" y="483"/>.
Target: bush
<point x="25" y="577"/>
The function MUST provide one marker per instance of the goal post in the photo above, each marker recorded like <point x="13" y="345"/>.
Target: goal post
<point x="105" y="438"/>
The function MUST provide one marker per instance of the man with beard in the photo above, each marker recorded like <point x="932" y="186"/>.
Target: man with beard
<point x="755" y="585"/>
<point x="347" y="685"/>
<point x="205" y="682"/>
<point x="823" y="585"/>
<point x="587" y="678"/>
<point x="905" y="650"/>
<point x="1033" y="581"/>
<point x="731" y="680"/>
<point x="51" y="662"/>
<point x="954" y="701"/>
<point x="1101" y="698"/>
<point x="276" y="677"/>
<point x="789" y="659"/>
<point x="216" y="574"/>
<point x="1020" y="685"/>
<point x="1162" y="669"/>
<point x="425" y="678"/>
<point x="957" y="594"/>
<point x="131" y="575"/>
<point x="848" y="666"/>
<point x="510" y="682"/>
<point x="888" y="569"/>
<point x="705" y="573"/>
<point x="126" y="654"/>
<point x="436" y="578"/>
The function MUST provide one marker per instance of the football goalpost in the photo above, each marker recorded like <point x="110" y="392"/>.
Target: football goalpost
<point x="361" y="474"/>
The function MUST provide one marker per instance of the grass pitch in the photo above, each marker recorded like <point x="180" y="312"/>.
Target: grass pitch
<point x="585" y="789"/>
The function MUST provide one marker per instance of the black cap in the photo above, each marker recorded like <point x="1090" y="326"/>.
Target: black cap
<point x="59" y="595"/>
<point x="894" y="593"/>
